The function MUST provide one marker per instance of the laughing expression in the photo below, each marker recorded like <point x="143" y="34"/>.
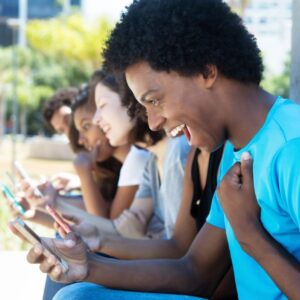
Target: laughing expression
<point x="179" y="104"/>
<point x="91" y="136"/>
<point x="111" y="116"/>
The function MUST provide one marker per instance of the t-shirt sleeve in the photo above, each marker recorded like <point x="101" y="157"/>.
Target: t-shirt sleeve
<point x="287" y="179"/>
<point x="133" y="167"/>
<point x="144" y="190"/>
<point x="216" y="215"/>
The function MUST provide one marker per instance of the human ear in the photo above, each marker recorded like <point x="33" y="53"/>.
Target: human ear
<point x="209" y="77"/>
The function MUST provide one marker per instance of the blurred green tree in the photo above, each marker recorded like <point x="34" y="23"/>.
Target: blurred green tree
<point x="278" y="84"/>
<point x="61" y="52"/>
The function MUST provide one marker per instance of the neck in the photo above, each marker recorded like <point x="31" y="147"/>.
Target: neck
<point x="247" y="109"/>
<point x="159" y="150"/>
<point x="121" y="152"/>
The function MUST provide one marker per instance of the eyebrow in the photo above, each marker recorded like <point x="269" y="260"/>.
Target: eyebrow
<point x="142" y="98"/>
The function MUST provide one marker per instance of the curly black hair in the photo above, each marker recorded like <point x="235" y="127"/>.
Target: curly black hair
<point x="185" y="36"/>
<point x="62" y="97"/>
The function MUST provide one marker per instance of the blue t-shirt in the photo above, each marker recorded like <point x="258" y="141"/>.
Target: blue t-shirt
<point x="276" y="166"/>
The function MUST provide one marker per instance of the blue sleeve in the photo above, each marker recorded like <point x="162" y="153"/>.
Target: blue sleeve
<point x="216" y="215"/>
<point x="287" y="179"/>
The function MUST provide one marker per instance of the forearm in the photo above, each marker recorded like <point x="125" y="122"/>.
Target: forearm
<point x="40" y="217"/>
<point x="125" y="248"/>
<point x="282" y="267"/>
<point x="94" y="202"/>
<point x="169" y="276"/>
<point x="103" y="225"/>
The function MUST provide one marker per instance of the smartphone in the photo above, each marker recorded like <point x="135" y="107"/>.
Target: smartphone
<point x="24" y="175"/>
<point x="33" y="238"/>
<point x="10" y="196"/>
<point x="58" y="219"/>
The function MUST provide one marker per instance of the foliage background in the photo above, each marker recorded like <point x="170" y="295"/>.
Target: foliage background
<point x="61" y="52"/>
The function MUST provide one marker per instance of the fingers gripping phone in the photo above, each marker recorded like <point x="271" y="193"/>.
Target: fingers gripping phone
<point x="33" y="238"/>
<point x="24" y="175"/>
<point x="11" y="198"/>
<point x="58" y="219"/>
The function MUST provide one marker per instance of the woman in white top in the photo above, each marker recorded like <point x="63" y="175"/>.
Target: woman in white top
<point x="120" y="130"/>
<point x="107" y="190"/>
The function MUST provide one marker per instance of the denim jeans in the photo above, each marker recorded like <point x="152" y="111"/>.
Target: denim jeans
<point x="52" y="287"/>
<point x="92" y="291"/>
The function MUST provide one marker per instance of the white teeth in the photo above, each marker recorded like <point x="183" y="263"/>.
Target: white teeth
<point x="174" y="132"/>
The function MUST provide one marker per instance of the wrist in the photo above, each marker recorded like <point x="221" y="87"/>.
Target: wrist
<point x="103" y="241"/>
<point x="252" y="238"/>
<point x="93" y="265"/>
<point x="83" y="167"/>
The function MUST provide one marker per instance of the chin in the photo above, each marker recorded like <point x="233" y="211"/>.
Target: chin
<point x="116" y="142"/>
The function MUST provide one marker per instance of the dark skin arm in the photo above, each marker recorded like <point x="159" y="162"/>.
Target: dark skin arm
<point x="191" y="274"/>
<point x="235" y="190"/>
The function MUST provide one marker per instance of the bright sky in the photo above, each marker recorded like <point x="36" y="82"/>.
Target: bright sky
<point x="112" y="8"/>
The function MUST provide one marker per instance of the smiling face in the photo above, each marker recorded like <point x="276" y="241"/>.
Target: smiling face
<point x="90" y="135"/>
<point x="111" y="116"/>
<point x="179" y="104"/>
<point x="60" y="120"/>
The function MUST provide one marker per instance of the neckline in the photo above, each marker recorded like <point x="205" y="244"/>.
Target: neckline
<point x="279" y="100"/>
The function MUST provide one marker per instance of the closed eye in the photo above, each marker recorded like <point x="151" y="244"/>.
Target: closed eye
<point x="154" y="102"/>
<point x="86" y="126"/>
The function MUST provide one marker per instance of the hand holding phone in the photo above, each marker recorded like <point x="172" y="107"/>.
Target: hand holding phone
<point x="58" y="219"/>
<point x="24" y="175"/>
<point x="12" y="199"/>
<point x="33" y="238"/>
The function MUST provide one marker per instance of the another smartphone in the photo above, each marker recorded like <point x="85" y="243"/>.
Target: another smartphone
<point x="33" y="238"/>
<point x="10" y="197"/>
<point x="58" y="219"/>
<point x="24" y="175"/>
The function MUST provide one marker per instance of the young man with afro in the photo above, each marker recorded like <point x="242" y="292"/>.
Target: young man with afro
<point x="195" y="68"/>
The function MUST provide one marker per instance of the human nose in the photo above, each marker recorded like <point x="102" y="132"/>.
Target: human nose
<point x="81" y="140"/>
<point x="155" y="121"/>
<point x="97" y="117"/>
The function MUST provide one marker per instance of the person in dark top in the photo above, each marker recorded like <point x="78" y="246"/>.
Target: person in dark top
<point x="200" y="182"/>
<point x="202" y="194"/>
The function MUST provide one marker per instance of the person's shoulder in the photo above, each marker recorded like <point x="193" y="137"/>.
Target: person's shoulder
<point x="286" y="111"/>
<point x="289" y="152"/>
<point x="283" y="124"/>
<point x="138" y="153"/>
